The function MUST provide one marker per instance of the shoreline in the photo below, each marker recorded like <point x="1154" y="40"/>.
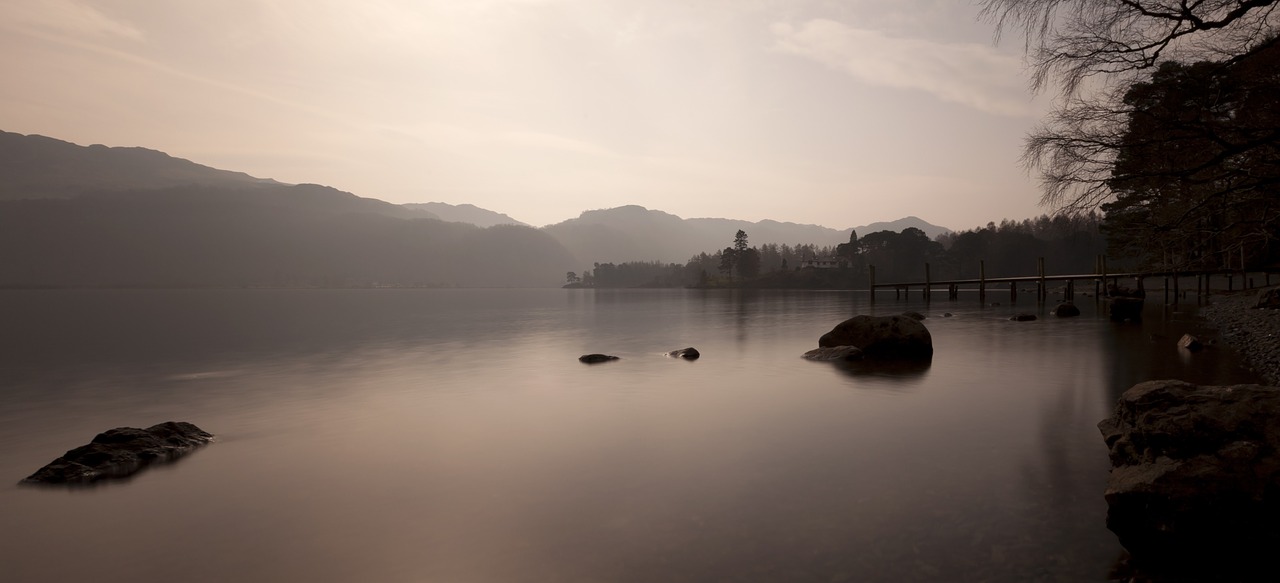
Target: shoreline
<point x="1252" y="332"/>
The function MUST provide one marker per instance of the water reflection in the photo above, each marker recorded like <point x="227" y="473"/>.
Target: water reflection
<point x="900" y="374"/>
<point x="451" y="435"/>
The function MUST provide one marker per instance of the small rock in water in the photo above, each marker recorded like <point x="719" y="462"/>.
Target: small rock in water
<point x="1023" y="317"/>
<point x="596" y="358"/>
<point x="1190" y="342"/>
<point x="947" y="314"/>
<point x="689" y="353"/>
<point x="122" y="452"/>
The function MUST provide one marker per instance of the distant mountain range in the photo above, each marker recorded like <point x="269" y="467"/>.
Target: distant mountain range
<point x="634" y="233"/>
<point x="75" y="215"/>
<point x="465" y="213"/>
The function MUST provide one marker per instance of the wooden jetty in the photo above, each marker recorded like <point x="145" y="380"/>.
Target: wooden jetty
<point x="1102" y="280"/>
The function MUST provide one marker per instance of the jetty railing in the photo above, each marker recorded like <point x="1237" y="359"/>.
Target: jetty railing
<point x="1102" y="280"/>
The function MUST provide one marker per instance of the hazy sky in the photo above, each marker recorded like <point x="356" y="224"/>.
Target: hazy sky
<point x="837" y="113"/>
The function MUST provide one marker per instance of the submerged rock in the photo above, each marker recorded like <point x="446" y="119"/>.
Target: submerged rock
<point x="835" y="353"/>
<point x="882" y="337"/>
<point x="1066" y="310"/>
<point x="1195" y="479"/>
<point x="122" y="452"/>
<point x="1023" y="317"/>
<point x="689" y="353"/>
<point x="595" y="358"/>
<point x="1126" y="308"/>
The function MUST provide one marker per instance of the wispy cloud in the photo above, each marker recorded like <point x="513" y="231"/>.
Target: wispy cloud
<point x="65" y="17"/>
<point x="969" y="74"/>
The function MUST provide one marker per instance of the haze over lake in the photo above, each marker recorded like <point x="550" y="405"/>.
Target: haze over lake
<point x="451" y="435"/>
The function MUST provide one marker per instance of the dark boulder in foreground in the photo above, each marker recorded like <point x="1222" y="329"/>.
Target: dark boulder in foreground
<point x="1066" y="310"/>
<point x="882" y="337"/>
<point x="122" y="452"/>
<point x="689" y="353"/>
<point x="595" y="358"/>
<point x="1194" y="489"/>
<point x="835" y="353"/>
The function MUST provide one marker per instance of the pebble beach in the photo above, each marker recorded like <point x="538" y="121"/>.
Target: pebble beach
<point x="1253" y="332"/>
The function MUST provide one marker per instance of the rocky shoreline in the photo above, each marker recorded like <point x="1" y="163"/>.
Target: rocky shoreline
<point x="1254" y="333"/>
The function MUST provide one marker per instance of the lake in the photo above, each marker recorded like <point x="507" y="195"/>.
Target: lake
<point x="452" y="436"/>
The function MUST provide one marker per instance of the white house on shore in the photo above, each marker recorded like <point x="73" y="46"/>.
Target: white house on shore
<point x="823" y="262"/>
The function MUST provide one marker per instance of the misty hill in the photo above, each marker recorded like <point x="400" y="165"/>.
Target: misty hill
<point x="35" y="167"/>
<point x="96" y="216"/>
<point x="285" y="236"/>
<point x="634" y="233"/>
<point x="931" y="230"/>
<point x="40" y="167"/>
<point x="465" y="213"/>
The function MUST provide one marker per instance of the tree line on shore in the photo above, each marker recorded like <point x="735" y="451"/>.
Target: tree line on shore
<point x="1068" y="244"/>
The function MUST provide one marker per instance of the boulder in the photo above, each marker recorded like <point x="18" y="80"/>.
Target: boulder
<point x="1268" y="298"/>
<point x="917" y="316"/>
<point x="1190" y="342"/>
<point x="595" y="358"/>
<point x="947" y="315"/>
<point x="1195" y="479"/>
<point x="689" y="353"/>
<point x="122" y="452"/>
<point x="1066" y="310"/>
<point x="882" y="337"/>
<point x="835" y="353"/>
<point x="1024" y="317"/>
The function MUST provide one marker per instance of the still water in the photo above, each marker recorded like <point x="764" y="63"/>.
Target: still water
<point x="452" y="436"/>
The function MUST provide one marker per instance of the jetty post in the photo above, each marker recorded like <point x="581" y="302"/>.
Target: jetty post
<point x="1044" y="288"/>
<point x="926" y="281"/>
<point x="871" y="277"/>
<point x="982" y="280"/>
<point x="1097" y="268"/>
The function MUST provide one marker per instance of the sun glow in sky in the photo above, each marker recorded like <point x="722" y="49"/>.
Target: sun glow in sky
<point x="836" y="113"/>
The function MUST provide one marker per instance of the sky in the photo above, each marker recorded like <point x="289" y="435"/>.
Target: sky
<point x="837" y="113"/>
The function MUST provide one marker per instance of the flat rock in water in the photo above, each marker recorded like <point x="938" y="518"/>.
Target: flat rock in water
<point x="122" y="452"/>
<point x="596" y="358"/>
<point x="1195" y="482"/>
<point x="835" y="353"/>
<point x="1190" y="342"/>
<point x="1023" y="317"/>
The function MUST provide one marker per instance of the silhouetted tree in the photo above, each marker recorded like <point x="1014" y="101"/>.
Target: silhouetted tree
<point x="1116" y="44"/>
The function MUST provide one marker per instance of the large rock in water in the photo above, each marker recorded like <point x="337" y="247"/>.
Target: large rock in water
<point x="122" y="452"/>
<point x="882" y="337"/>
<point x="1195" y="481"/>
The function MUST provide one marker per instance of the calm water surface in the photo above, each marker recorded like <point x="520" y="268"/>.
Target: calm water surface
<point x="452" y="436"/>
